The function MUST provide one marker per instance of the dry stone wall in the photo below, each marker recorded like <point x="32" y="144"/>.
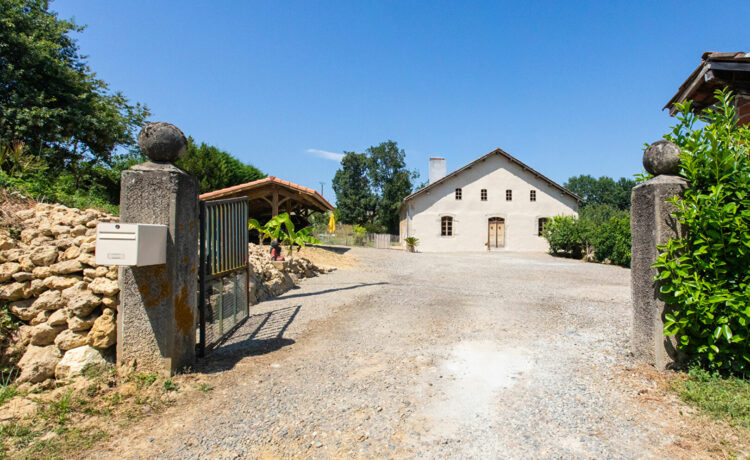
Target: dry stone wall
<point x="68" y="305"/>
<point x="52" y="284"/>
<point x="269" y="279"/>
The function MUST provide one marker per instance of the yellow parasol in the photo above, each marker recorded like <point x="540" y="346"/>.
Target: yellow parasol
<point x="332" y="224"/>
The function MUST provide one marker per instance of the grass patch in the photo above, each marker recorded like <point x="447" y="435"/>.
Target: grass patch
<point x="724" y="398"/>
<point x="58" y="411"/>
<point x="169" y="385"/>
<point x="67" y="443"/>
<point x="144" y="380"/>
<point x="204" y="387"/>
<point x="7" y="392"/>
<point x="7" y="388"/>
<point x="74" y="419"/>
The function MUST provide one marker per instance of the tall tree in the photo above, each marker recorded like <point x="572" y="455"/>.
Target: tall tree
<point x="355" y="199"/>
<point x="603" y="190"/>
<point x="215" y="168"/>
<point x="370" y="186"/>
<point x="53" y="106"/>
<point x="391" y="182"/>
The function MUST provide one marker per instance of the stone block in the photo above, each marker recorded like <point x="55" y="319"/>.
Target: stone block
<point x="651" y="224"/>
<point x="157" y="317"/>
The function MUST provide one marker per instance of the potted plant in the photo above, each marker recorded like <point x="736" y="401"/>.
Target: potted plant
<point x="411" y="243"/>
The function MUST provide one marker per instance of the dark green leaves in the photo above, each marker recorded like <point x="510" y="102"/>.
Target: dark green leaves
<point x="370" y="186"/>
<point x="705" y="274"/>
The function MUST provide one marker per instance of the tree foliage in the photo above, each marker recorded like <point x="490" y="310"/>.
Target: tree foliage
<point x="603" y="190"/>
<point x="215" y="168"/>
<point x="64" y="136"/>
<point x="355" y="199"/>
<point x="370" y="186"/>
<point x="53" y="106"/>
<point x="703" y="273"/>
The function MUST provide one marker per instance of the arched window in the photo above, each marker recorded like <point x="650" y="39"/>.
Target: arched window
<point x="446" y="226"/>
<point x="542" y="224"/>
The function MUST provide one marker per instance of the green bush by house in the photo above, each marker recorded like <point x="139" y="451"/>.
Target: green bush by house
<point x="601" y="232"/>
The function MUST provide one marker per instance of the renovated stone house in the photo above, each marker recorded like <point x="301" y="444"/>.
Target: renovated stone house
<point x="494" y="203"/>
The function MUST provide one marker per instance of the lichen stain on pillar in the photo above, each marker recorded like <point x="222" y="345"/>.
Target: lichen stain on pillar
<point x="183" y="314"/>
<point x="155" y="287"/>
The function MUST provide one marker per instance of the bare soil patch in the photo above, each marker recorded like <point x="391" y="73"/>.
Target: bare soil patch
<point x="339" y="257"/>
<point x="696" y="435"/>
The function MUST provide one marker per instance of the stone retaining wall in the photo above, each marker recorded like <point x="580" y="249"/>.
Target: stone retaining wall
<point x="68" y="305"/>
<point x="53" y="286"/>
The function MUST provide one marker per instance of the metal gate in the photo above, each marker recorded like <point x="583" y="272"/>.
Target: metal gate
<point x="223" y="274"/>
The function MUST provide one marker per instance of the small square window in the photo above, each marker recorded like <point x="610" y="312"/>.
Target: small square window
<point x="532" y="195"/>
<point x="458" y="193"/>
<point x="508" y="195"/>
<point x="484" y="194"/>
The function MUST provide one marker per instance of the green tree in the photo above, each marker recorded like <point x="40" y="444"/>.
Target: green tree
<point x="53" y="106"/>
<point x="215" y="168"/>
<point x="704" y="273"/>
<point x="370" y="186"/>
<point x="355" y="199"/>
<point x="603" y="190"/>
<point x="390" y="180"/>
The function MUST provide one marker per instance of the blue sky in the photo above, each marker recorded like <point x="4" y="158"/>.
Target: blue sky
<point x="567" y="87"/>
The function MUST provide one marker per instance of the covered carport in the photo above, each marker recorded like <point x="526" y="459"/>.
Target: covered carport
<point x="270" y="196"/>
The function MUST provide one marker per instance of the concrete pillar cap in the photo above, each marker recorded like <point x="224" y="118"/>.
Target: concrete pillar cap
<point x="662" y="157"/>
<point x="162" y="142"/>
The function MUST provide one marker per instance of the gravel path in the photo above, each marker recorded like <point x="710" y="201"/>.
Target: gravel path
<point x="496" y="355"/>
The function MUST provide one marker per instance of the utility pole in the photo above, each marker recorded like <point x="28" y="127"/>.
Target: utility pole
<point x="322" y="188"/>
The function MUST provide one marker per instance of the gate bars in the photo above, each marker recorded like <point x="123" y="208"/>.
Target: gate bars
<point x="223" y="255"/>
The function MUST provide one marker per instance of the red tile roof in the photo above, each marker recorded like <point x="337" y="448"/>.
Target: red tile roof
<point x="260" y="183"/>
<point x="716" y="71"/>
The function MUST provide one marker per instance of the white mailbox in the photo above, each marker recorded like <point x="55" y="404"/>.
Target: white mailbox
<point x="131" y="244"/>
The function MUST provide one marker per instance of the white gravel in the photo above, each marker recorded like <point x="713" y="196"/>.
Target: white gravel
<point x="496" y="355"/>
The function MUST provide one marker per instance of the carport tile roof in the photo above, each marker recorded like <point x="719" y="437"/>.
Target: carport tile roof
<point x="261" y="182"/>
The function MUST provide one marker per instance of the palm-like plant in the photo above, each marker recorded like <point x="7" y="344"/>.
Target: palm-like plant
<point x="282" y="228"/>
<point x="253" y="224"/>
<point x="411" y="243"/>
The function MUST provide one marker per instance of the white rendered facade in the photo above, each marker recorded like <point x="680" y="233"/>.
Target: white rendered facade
<point x="479" y="220"/>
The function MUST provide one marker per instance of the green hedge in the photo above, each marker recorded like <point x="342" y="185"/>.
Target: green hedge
<point x="601" y="231"/>
<point x="705" y="274"/>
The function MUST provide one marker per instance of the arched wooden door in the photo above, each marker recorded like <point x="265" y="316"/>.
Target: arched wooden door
<point x="496" y="232"/>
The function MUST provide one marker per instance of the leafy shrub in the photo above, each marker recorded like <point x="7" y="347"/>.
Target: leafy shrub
<point x="601" y="230"/>
<point x="564" y="236"/>
<point x="611" y="240"/>
<point x="704" y="273"/>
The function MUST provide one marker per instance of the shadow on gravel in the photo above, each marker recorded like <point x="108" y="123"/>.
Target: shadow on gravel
<point x="336" y="249"/>
<point x="259" y="334"/>
<point x="326" y="291"/>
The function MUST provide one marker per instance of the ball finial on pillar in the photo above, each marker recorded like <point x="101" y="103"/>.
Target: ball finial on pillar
<point x="662" y="157"/>
<point x="162" y="142"/>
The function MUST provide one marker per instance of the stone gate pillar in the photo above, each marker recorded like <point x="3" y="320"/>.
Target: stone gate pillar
<point x="157" y="317"/>
<point x="651" y="224"/>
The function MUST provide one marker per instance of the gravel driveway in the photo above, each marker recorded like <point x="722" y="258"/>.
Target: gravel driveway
<point x="500" y="355"/>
